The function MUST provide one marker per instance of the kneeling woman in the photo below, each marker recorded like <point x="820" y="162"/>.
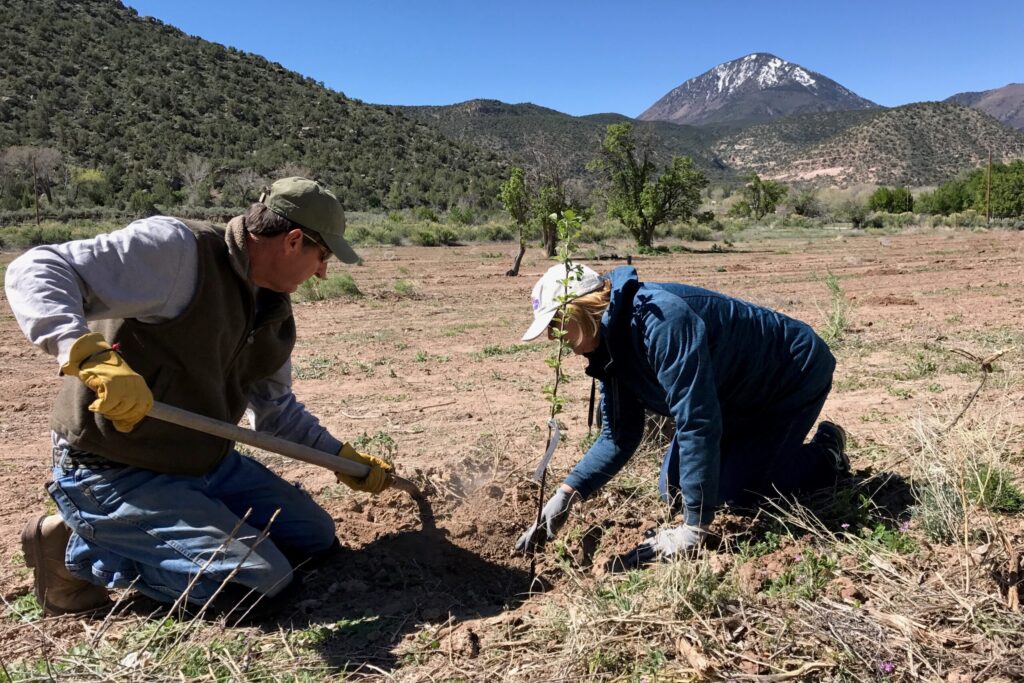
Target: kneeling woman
<point x="743" y="383"/>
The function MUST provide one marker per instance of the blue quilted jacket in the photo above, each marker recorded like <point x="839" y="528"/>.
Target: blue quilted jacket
<point x="698" y="357"/>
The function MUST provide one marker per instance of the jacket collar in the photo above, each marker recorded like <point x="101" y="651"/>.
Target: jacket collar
<point x="624" y="285"/>
<point x="238" y="252"/>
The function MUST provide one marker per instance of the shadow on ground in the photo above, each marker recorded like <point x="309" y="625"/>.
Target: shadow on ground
<point x="363" y="602"/>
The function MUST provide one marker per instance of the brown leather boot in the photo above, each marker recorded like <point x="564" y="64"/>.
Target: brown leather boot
<point x="44" y="542"/>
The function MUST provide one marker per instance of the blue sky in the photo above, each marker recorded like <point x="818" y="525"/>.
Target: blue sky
<point x="590" y="56"/>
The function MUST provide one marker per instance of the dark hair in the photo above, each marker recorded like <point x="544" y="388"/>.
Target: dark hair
<point x="260" y="219"/>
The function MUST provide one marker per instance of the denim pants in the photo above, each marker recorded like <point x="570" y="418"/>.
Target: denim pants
<point x="763" y="455"/>
<point x="157" y="532"/>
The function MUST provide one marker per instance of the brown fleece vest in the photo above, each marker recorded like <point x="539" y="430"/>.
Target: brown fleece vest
<point x="206" y="360"/>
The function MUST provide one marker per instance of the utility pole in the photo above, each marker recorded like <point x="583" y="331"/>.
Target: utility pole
<point x="988" y="192"/>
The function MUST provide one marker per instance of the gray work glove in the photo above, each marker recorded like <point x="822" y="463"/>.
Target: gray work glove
<point x="552" y="517"/>
<point x="668" y="544"/>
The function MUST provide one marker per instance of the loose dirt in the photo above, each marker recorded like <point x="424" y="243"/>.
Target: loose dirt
<point x="442" y="377"/>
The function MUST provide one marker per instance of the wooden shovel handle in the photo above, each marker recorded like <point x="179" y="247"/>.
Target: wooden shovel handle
<point x="225" y="430"/>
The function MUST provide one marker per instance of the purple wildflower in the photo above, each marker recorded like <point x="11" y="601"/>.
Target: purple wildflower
<point x="905" y="526"/>
<point x="887" y="667"/>
<point x="845" y="525"/>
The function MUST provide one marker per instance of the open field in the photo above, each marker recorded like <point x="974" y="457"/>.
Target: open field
<point x="426" y="367"/>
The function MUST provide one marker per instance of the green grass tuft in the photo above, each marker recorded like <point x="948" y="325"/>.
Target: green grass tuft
<point x="332" y="287"/>
<point x="837" y="319"/>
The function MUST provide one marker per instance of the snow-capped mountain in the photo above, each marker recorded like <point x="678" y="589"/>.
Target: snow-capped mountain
<point x="758" y="87"/>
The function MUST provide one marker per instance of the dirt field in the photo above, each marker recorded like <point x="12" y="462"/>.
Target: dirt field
<point x="425" y="367"/>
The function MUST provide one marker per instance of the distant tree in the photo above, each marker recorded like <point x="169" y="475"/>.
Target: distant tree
<point x="891" y="200"/>
<point x="951" y="197"/>
<point x="1007" y="195"/>
<point x="806" y="204"/>
<point x="739" y="209"/>
<point x="552" y="197"/>
<point x="290" y="168"/>
<point x="639" y="197"/>
<point x="515" y="197"/>
<point x="90" y="184"/>
<point x="194" y="172"/>
<point x="242" y="187"/>
<point x="856" y="212"/>
<point x="549" y="203"/>
<point x="38" y="166"/>
<point x="763" y="195"/>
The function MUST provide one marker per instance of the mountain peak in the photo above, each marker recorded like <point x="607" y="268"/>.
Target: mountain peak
<point x="757" y="87"/>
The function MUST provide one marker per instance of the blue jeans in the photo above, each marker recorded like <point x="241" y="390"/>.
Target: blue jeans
<point x="157" y="532"/>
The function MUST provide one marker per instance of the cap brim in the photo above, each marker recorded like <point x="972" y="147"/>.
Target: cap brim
<point x="341" y="248"/>
<point x="540" y="323"/>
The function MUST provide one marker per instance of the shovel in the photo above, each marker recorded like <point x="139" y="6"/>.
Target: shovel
<point x="208" y="425"/>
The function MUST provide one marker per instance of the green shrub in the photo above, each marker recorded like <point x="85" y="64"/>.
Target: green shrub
<point x="492" y="232"/>
<point x="435" y="237"/>
<point x="461" y="216"/>
<point x="693" y="232"/>
<point x="425" y="238"/>
<point x="404" y="288"/>
<point x="425" y="213"/>
<point x="331" y="287"/>
<point x="994" y="489"/>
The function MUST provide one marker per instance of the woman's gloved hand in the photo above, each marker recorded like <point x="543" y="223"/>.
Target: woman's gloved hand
<point x="667" y="544"/>
<point x="122" y="395"/>
<point x="552" y="517"/>
<point x="378" y="479"/>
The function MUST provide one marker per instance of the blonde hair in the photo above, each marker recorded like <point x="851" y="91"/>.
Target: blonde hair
<point x="587" y="310"/>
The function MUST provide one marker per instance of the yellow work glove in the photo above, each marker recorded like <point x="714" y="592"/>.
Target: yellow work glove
<point x="121" y="393"/>
<point x="379" y="477"/>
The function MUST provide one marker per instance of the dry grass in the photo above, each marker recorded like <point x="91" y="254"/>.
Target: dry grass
<point x="839" y="588"/>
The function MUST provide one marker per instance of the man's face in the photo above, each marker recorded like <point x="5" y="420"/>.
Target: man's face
<point x="292" y="259"/>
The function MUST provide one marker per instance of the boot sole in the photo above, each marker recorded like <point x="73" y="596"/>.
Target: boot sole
<point x="33" y="552"/>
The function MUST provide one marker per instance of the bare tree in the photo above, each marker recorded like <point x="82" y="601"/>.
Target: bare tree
<point x="38" y="166"/>
<point x="289" y="169"/>
<point x="243" y="187"/>
<point x="194" y="172"/>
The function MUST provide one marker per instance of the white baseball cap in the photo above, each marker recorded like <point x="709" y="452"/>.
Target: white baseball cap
<point x="582" y="280"/>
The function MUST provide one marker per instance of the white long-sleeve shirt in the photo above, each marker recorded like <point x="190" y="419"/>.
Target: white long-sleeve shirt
<point x="147" y="271"/>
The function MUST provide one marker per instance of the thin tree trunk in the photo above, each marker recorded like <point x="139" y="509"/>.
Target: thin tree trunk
<point x="550" y="241"/>
<point x="514" y="270"/>
<point x="35" y="190"/>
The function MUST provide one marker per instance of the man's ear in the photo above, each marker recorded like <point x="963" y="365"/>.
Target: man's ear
<point x="293" y="239"/>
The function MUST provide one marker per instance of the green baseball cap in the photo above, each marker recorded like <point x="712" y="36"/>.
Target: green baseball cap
<point x="312" y="206"/>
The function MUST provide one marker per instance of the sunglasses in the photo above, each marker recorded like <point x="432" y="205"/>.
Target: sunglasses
<point x="325" y="253"/>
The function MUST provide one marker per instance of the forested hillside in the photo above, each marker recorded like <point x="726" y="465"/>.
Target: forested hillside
<point x="150" y="109"/>
<point x="535" y="136"/>
<point x="916" y="144"/>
